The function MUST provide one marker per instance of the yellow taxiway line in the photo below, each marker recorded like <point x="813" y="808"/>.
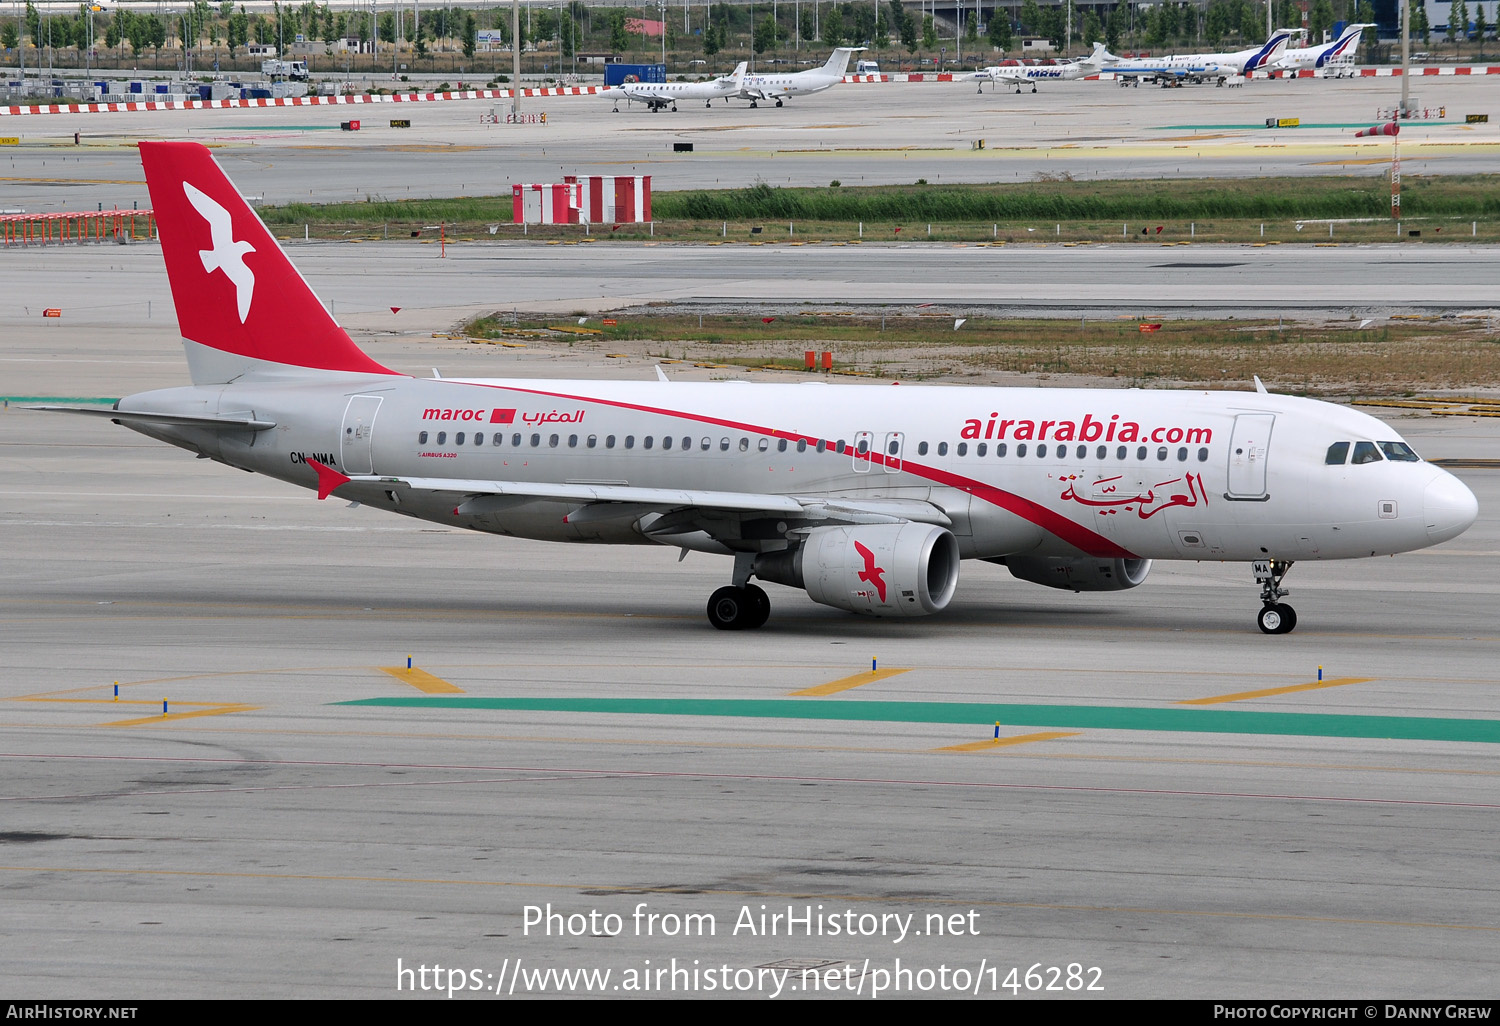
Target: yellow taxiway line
<point x="422" y="680"/>
<point x="1333" y="682"/>
<point x="211" y="710"/>
<point x="859" y="680"/>
<point x="1005" y="742"/>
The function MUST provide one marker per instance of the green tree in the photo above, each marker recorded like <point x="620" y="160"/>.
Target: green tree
<point x="999" y="33"/>
<point x="1031" y="18"/>
<point x="1366" y="13"/>
<point x="1114" y="29"/>
<point x="471" y="35"/>
<point x="33" y="22"/>
<point x="10" y="36"/>
<point x="158" y="34"/>
<point x="929" y="33"/>
<point x="566" y="34"/>
<point x="971" y="29"/>
<point x="1319" y="18"/>
<point x="710" y="41"/>
<point x="1458" y="14"/>
<point x="833" y="27"/>
<point x="617" y="38"/>
<point x="1093" y="31"/>
<point x="1480" y="27"/>
<point x="805" y="29"/>
<point x="765" y="35"/>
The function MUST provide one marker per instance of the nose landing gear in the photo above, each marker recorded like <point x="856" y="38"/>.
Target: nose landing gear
<point x="1275" y="616"/>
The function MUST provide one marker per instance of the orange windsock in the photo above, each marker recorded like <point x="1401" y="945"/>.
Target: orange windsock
<point x="1389" y="128"/>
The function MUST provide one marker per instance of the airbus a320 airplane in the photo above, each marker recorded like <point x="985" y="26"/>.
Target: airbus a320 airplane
<point x="868" y="497"/>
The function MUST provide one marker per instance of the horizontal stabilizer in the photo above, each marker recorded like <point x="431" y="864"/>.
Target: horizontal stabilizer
<point x="228" y="422"/>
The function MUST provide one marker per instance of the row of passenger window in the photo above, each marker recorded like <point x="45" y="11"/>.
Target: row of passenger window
<point x="706" y="444"/>
<point x="1060" y="451"/>
<point x="535" y="441"/>
<point x="1368" y="452"/>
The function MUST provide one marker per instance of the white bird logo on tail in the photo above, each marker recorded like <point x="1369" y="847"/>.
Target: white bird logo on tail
<point x="227" y="255"/>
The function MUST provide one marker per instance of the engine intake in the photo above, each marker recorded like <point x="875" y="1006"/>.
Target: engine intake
<point x="1079" y="573"/>
<point x="882" y="569"/>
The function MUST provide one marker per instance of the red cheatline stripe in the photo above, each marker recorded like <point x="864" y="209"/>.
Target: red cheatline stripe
<point x="1073" y="533"/>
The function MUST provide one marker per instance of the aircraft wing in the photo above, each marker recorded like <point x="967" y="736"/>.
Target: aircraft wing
<point x="1001" y="75"/>
<point x="677" y="511"/>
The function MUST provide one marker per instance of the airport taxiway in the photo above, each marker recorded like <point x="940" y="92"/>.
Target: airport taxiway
<point x="858" y="134"/>
<point x="582" y="738"/>
<point x="266" y="838"/>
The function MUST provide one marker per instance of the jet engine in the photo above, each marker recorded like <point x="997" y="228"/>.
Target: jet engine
<point x="902" y="569"/>
<point x="1078" y="573"/>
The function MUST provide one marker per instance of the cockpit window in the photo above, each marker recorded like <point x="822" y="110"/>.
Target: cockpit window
<point x="1365" y="452"/>
<point x="1400" y="452"/>
<point x="1338" y="454"/>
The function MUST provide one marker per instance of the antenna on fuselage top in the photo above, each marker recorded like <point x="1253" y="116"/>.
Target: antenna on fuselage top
<point x="1259" y="386"/>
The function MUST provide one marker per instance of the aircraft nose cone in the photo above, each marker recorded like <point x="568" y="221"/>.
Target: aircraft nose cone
<point x="1449" y="507"/>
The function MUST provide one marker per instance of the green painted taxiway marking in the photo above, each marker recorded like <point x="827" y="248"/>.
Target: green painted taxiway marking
<point x="1200" y="721"/>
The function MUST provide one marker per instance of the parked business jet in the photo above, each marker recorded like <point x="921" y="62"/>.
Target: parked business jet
<point x="867" y="497"/>
<point x="1199" y="67"/>
<point x="1019" y="75"/>
<point x="779" y="85"/>
<point x="1318" y="56"/>
<point x="657" y="95"/>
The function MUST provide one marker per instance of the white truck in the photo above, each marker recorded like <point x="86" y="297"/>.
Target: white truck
<point x="294" y="70"/>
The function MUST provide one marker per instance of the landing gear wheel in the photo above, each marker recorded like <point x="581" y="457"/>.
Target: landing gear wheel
<point x="778" y="103"/>
<point x="738" y="609"/>
<point x="1277" y="619"/>
<point x="760" y="607"/>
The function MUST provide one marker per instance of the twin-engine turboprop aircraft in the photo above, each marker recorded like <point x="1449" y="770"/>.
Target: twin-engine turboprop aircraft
<point x="867" y="497"/>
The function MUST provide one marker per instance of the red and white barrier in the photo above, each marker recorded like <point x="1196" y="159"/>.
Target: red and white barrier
<point x="1385" y="72"/>
<point x="293" y="101"/>
<point x="545" y="204"/>
<point x="613" y="199"/>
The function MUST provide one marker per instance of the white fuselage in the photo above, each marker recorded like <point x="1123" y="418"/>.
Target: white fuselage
<point x="1047" y="472"/>
<point x="1204" y="65"/>
<point x="662" y="94"/>
<point x="1318" y="56"/>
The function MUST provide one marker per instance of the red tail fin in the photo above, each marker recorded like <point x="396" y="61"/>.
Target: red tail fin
<point x="234" y="288"/>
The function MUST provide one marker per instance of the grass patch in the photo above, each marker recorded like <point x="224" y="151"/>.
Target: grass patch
<point x="1203" y="209"/>
<point x="1390" y="358"/>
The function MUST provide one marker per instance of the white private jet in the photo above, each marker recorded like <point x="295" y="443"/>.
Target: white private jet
<point x="867" y="497"/>
<point x="1319" y="56"/>
<point x="779" y="85"/>
<point x="1175" y="69"/>
<point x="1019" y="75"/>
<point x="657" y="95"/>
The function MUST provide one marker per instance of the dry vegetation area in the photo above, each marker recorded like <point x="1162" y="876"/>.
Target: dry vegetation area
<point x="1392" y="357"/>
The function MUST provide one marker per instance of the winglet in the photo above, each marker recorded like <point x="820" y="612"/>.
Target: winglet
<point x="329" y="479"/>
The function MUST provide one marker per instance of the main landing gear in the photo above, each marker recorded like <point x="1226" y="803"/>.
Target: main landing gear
<point x="778" y="103"/>
<point x="740" y="606"/>
<point x="1275" y="616"/>
<point x="738" y="609"/>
